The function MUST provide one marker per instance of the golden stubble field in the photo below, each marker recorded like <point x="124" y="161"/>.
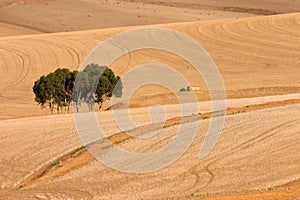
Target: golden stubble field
<point x="50" y="16"/>
<point x="260" y="7"/>
<point x="257" y="153"/>
<point x="256" y="156"/>
<point x="256" y="56"/>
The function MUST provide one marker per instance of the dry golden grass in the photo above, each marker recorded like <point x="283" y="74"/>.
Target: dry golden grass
<point x="11" y="30"/>
<point x="260" y="7"/>
<point x="256" y="157"/>
<point x="256" y="57"/>
<point x="257" y="152"/>
<point x="63" y="15"/>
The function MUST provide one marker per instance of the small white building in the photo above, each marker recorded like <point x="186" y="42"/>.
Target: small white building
<point x="192" y="88"/>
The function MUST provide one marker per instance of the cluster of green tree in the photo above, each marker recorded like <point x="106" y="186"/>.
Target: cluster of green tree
<point x="64" y="88"/>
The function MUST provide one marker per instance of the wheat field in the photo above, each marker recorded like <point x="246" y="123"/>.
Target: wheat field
<point x="261" y="142"/>
<point x="42" y="155"/>
<point x="264" y="45"/>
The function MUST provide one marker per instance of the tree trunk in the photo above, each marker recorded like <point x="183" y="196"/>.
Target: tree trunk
<point x="78" y="101"/>
<point x="51" y="107"/>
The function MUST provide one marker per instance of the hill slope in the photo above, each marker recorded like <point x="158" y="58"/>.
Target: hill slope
<point x="257" y="152"/>
<point x="63" y="15"/>
<point x="256" y="56"/>
<point x="254" y="6"/>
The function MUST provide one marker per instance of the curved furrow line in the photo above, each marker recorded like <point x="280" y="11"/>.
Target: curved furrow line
<point x="290" y="24"/>
<point x="264" y="27"/>
<point x="24" y="65"/>
<point x="259" y="27"/>
<point x="127" y="64"/>
<point x="245" y="145"/>
<point x="61" y="193"/>
<point x="113" y="182"/>
<point x="72" y="51"/>
<point x="230" y="37"/>
<point x="54" y="46"/>
<point x="275" y="26"/>
<point x="269" y="25"/>
<point x="28" y="56"/>
<point x="296" y="21"/>
<point x="204" y="168"/>
<point x="167" y="136"/>
<point x="243" y="26"/>
<point x="50" y="49"/>
<point x="239" y="124"/>
<point x="273" y="132"/>
<point x="153" y="146"/>
<point x="31" y="149"/>
<point x="235" y="48"/>
<point x="39" y="67"/>
<point x="10" y="63"/>
<point x="268" y="38"/>
<point x="125" y="58"/>
<point x="217" y="40"/>
<point x="252" y="141"/>
<point x="39" y="51"/>
<point x="75" y="53"/>
<point x="3" y="66"/>
<point x="203" y="177"/>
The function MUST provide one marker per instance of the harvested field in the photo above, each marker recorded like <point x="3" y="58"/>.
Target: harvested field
<point x="25" y="58"/>
<point x="246" y="147"/>
<point x="252" y="154"/>
<point x="60" y="16"/>
<point x="284" y="6"/>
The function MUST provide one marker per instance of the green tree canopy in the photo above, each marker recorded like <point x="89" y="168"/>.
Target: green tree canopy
<point x="61" y="88"/>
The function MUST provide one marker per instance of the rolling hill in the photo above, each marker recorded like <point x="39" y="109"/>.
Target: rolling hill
<point x="257" y="154"/>
<point x="254" y="55"/>
<point x="60" y="16"/>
